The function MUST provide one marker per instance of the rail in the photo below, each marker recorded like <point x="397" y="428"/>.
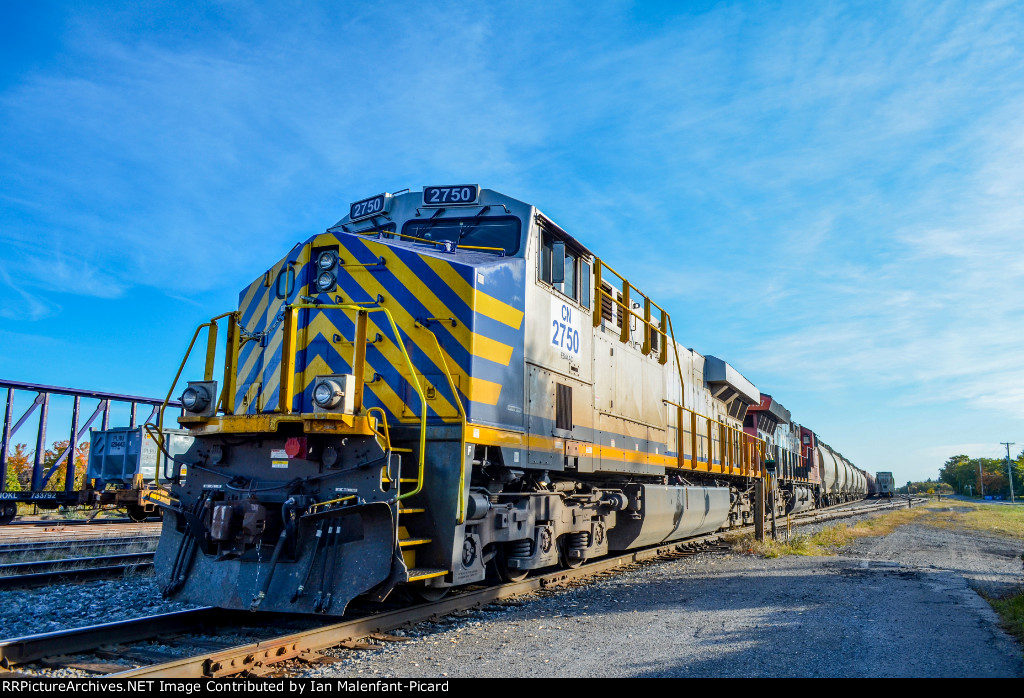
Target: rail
<point x="258" y="656"/>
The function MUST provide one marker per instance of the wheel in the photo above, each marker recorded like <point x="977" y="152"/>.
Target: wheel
<point x="428" y="594"/>
<point x="7" y="513"/>
<point x="563" y="554"/>
<point x="499" y="566"/>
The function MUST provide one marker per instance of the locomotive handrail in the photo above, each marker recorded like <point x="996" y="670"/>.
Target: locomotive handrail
<point x="288" y="371"/>
<point x="649" y="327"/>
<point x="384" y="420"/>
<point x="745" y="442"/>
<point x="624" y="336"/>
<point x="461" y="515"/>
<point x="211" y="358"/>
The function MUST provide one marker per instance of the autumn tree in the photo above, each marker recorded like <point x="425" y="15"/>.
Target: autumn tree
<point x="81" y="463"/>
<point x="19" y="468"/>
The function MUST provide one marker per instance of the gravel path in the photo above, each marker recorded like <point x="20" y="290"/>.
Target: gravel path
<point x="895" y="606"/>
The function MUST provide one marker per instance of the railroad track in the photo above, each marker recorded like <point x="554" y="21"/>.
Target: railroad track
<point x="63" y="531"/>
<point x="306" y="643"/>
<point x="18" y="575"/>
<point x="84" y="545"/>
<point x="78" y="522"/>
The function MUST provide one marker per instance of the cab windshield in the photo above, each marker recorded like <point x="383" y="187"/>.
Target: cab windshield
<point x="495" y="233"/>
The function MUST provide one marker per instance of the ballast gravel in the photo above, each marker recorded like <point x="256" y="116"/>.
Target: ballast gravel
<point x="62" y="606"/>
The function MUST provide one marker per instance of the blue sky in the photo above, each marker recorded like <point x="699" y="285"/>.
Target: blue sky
<point x="828" y="195"/>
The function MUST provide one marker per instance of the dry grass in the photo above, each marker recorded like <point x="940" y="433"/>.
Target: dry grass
<point x="1011" y="612"/>
<point x="824" y="542"/>
<point x="994" y="519"/>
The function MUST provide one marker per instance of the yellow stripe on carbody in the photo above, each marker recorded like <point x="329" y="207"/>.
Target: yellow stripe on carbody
<point x="477" y="389"/>
<point x="321" y="325"/>
<point x="490" y="436"/>
<point x="475" y="344"/>
<point x="482" y="303"/>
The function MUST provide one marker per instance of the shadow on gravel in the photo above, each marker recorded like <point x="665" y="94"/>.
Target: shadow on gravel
<point x="809" y="617"/>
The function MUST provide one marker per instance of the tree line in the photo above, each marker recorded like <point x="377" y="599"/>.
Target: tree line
<point x="966" y="475"/>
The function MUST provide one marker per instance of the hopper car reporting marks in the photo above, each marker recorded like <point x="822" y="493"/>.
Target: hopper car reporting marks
<point x="446" y="384"/>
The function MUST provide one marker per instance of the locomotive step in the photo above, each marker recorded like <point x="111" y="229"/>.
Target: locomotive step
<point x="419" y="573"/>
<point x="411" y="511"/>
<point x="409" y="542"/>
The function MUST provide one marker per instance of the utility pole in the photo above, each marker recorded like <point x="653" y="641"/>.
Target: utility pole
<point x="981" y="480"/>
<point x="1009" y="468"/>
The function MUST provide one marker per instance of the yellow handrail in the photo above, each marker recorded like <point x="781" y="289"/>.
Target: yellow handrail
<point x="211" y="350"/>
<point x="384" y="421"/>
<point x="288" y="370"/>
<point x="735" y="438"/>
<point x="649" y="327"/>
<point x="461" y="517"/>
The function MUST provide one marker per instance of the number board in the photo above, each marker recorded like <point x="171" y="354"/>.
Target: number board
<point x="565" y="329"/>
<point x="374" y="206"/>
<point x="452" y="194"/>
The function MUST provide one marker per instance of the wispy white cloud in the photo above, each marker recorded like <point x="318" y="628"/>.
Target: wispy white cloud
<point x="829" y="197"/>
<point x="17" y="303"/>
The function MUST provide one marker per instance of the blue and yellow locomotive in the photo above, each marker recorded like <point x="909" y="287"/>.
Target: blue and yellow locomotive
<point x="444" y="385"/>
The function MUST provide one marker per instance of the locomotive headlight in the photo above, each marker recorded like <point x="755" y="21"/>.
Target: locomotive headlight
<point x="328" y="394"/>
<point x="198" y="398"/>
<point x="195" y="398"/>
<point x="325" y="281"/>
<point x="327" y="260"/>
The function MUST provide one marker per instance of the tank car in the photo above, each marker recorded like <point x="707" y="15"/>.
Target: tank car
<point x="445" y="385"/>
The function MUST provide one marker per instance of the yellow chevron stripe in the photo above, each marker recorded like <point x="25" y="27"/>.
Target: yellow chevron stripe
<point x="497" y="310"/>
<point x="491" y="350"/>
<point x="477" y="389"/>
<point x="261" y="311"/>
<point x="250" y="293"/>
<point x="475" y="298"/>
<point x="275" y="343"/>
<point x="321" y="325"/>
<point x="275" y="379"/>
<point x="475" y="344"/>
<point x="484" y="392"/>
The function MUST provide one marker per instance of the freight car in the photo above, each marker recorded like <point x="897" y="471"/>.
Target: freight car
<point x="446" y="385"/>
<point x="886" y="484"/>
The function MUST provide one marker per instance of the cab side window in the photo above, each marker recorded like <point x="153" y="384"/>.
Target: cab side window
<point x="575" y="276"/>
